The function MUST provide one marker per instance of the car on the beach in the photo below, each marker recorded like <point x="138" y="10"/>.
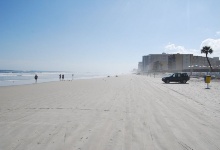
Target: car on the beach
<point x="181" y="77"/>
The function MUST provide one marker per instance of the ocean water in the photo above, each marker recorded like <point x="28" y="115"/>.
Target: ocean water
<point x="13" y="77"/>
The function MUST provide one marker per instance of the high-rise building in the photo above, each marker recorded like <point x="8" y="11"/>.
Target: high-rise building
<point x="155" y="62"/>
<point x="140" y="66"/>
<point x="177" y="63"/>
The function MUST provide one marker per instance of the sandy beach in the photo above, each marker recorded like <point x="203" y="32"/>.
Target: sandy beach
<point x="128" y="112"/>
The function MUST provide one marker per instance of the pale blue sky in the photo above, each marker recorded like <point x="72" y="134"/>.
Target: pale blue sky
<point x="102" y="35"/>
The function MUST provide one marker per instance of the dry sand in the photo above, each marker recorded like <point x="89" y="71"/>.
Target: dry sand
<point x="125" y="113"/>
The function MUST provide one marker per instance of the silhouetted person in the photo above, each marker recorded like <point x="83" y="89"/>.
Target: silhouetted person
<point x="35" y="77"/>
<point x="60" y="77"/>
<point x="63" y="77"/>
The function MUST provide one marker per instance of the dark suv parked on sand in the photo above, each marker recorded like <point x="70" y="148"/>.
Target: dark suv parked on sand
<point x="176" y="77"/>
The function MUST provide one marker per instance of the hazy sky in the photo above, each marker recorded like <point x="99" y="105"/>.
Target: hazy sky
<point x="102" y="35"/>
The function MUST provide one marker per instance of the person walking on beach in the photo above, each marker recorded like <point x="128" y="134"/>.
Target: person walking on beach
<point x="72" y="76"/>
<point x="35" y="77"/>
<point x="63" y="77"/>
<point x="60" y="77"/>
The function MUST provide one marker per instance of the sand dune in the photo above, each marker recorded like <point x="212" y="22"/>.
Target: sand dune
<point x="127" y="113"/>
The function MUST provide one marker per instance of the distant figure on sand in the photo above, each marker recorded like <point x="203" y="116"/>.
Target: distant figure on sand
<point x="35" y="77"/>
<point x="63" y="77"/>
<point x="60" y="77"/>
<point x="72" y="76"/>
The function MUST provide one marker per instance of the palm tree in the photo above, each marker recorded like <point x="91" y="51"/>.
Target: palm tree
<point x="206" y="50"/>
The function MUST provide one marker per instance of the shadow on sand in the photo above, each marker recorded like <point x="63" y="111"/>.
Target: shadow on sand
<point x="175" y="83"/>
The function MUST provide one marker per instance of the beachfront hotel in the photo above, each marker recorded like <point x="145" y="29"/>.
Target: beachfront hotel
<point x="177" y="63"/>
<point x="153" y="62"/>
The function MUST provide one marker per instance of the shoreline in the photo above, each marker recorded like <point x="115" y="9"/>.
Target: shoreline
<point x="27" y="77"/>
<point x="27" y="82"/>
